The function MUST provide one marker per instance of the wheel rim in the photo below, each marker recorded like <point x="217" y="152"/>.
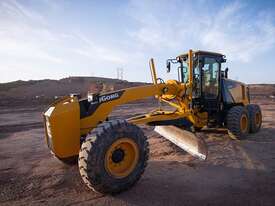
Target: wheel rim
<point x="258" y="119"/>
<point x="244" y="123"/>
<point x="121" y="158"/>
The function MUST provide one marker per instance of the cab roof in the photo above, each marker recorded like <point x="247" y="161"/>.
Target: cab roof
<point x="198" y="52"/>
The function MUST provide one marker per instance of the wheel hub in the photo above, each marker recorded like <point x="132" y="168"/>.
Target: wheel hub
<point x="244" y="123"/>
<point x="121" y="158"/>
<point x="118" y="155"/>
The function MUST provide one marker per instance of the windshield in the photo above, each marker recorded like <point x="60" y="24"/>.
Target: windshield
<point x="206" y="77"/>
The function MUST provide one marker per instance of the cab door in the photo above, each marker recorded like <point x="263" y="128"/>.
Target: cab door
<point x="210" y="83"/>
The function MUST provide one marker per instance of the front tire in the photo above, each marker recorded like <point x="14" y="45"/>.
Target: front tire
<point x="113" y="157"/>
<point x="237" y="121"/>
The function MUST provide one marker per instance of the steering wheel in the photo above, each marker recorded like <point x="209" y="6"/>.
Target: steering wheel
<point x="160" y="80"/>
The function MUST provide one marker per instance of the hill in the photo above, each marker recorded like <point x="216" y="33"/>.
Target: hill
<point x="44" y="91"/>
<point x="262" y="90"/>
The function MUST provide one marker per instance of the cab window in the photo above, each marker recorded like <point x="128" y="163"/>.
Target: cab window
<point x="210" y="77"/>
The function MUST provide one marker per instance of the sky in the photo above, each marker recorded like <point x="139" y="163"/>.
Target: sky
<point x="53" y="39"/>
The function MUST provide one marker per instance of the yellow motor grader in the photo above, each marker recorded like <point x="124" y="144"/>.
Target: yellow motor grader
<point x="112" y="155"/>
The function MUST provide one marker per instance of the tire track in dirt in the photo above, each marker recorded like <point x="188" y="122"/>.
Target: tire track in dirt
<point x="12" y="128"/>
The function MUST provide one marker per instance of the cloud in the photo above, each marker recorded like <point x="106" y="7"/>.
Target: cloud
<point x="32" y="38"/>
<point x="25" y="50"/>
<point x="92" y="50"/>
<point x="153" y="30"/>
<point x="233" y="28"/>
<point x="25" y="33"/>
<point x="31" y="42"/>
<point x="233" y="33"/>
<point x="22" y="12"/>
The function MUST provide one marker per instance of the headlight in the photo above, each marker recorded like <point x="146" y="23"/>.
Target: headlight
<point x="49" y="133"/>
<point x="48" y="127"/>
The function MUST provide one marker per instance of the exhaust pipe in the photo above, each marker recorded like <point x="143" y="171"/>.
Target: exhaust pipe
<point x="184" y="139"/>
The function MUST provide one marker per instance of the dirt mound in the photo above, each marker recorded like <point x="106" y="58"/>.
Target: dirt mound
<point x="43" y="91"/>
<point x="262" y="90"/>
<point x="37" y="92"/>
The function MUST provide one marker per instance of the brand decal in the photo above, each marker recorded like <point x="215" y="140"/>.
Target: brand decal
<point x="96" y="100"/>
<point x="109" y="97"/>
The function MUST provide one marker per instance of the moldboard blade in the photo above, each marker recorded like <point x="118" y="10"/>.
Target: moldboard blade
<point x="186" y="140"/>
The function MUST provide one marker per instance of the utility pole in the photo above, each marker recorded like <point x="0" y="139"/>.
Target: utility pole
<point x="119" y="71"/>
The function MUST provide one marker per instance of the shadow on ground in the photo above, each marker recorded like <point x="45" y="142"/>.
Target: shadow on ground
<point x="172" y="183"/>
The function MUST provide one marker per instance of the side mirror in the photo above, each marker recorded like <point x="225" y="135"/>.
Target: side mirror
<point x="168" y="66"/>
<point x="226" y="72"/>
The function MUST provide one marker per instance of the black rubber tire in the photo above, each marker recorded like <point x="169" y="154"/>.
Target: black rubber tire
<point x="92" y="156"/>
<point x="253" y="109"/>
<point x="233" y="119"/>
<point x="69" y="160"/>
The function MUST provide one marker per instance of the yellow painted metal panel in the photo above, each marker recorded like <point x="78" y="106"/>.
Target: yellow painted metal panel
<point x="130" y="94"/>
<point x="62" y="122"/>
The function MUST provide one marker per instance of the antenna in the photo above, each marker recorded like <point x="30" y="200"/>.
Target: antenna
<point x="119" y="71"/>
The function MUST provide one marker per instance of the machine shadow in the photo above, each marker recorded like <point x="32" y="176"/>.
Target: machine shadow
<point x="266" y="134"/>
<point x="174" y="183"/>
<point x="214" y="130"/>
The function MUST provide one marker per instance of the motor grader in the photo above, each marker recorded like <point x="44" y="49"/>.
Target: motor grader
<point x="112" y="154"/>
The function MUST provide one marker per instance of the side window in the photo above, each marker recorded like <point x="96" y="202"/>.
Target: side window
<point x="210" y="77"/>
<point x="197" y="82"/>
<point x="185" y="75"/>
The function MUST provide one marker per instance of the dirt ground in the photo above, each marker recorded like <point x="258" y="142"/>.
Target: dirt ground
<point x="236" y="172"/>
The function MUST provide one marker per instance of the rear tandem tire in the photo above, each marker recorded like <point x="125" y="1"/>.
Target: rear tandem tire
<point x="113" y="157"/>
<point x="255" y="117"/>
<point x="237" y="121"/>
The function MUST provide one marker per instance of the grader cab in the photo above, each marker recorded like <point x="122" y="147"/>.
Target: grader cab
<point x="112" y="155"/>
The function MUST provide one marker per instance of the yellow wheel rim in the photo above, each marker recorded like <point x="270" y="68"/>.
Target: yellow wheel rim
<point x="258" y="119"/>
<point x="121" y="158"/>
<point x="244" y="123"/>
